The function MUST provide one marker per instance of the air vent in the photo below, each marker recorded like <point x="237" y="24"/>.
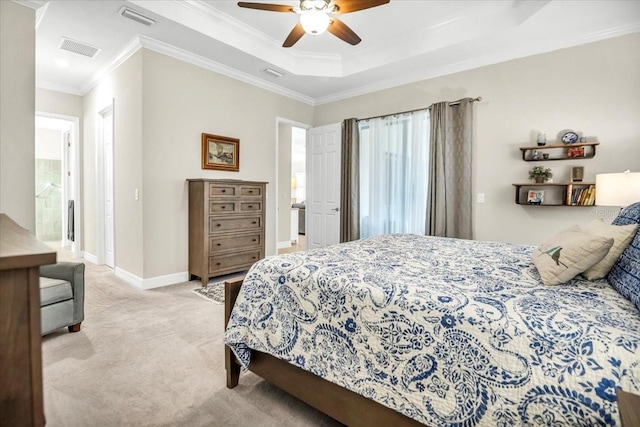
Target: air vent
<point x="79" y="47"/>
<point x="136" y="16"/>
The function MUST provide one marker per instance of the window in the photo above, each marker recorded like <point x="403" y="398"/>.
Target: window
<point x="394" y="160"/>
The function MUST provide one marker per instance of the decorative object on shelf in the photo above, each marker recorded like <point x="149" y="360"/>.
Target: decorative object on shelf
<point x="545" y="156"/>
<point x="585" y="150"/>
<point x="618" y="189"/>
<point x="583" y="139"/>
<point x="542" y="139"/>
<point x="220" y="153"/>
<point x="575" y="152"/>
<point x="577" y="173"/>
<point x="569" y="137"/>
<point x="540" y="174"/>
<point x="535" y="197"/>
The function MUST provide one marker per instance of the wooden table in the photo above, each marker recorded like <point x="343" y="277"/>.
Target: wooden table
<point x="21" y="255"/>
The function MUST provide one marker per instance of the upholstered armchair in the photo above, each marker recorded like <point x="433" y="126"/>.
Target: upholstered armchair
<point x="61" y="296"/>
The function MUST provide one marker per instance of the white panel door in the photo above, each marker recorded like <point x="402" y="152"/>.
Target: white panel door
<point x="107" y="137"/>
<point x="323" y="186"/>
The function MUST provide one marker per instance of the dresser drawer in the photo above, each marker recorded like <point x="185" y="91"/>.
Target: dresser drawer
<point x="218" y="225"/>
<point x="250" y="207"/>
<point x="226" y="243"/>
<point x="217" y="207"/>
<point x="218" y="190"/>
<point x="226" y="262"/>
<point x="250" y="191"/>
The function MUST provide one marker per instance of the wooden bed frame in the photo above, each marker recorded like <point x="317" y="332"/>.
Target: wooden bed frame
<point x="337" y="402"/>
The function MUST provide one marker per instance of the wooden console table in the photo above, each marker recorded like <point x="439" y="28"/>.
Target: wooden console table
<point x="21" y="255"/>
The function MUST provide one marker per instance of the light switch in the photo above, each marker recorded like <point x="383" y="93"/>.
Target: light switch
<point x="136" y="194"/>
<point x="480" y="197"/>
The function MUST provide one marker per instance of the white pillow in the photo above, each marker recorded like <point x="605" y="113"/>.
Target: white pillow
<point x="621" y="235"/>
<point x="568" y="254"/>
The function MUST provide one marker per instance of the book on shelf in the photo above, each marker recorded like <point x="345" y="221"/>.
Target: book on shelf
<point x="585" y="196"/>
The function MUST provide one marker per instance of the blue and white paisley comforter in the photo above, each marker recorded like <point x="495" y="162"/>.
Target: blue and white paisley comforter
<point x="446" y="331"/>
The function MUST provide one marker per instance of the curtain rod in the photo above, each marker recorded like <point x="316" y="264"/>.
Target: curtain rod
<point x="417" y="109"/>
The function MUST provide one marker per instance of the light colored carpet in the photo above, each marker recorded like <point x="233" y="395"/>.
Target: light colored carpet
<point x="154" y="358"/>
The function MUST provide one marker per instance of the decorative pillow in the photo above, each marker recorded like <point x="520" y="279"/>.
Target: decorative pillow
<point x="621" y="235"/>
<point x="569" y="253"/>
<point x="625" y="273"/>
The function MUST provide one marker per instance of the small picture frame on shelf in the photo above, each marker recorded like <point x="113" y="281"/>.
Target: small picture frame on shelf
<point x="575" y="152"/>
<point x="535" y="197"/>
<point x="577" y="173"/>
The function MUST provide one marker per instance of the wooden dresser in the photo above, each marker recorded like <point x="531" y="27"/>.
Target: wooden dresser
<point x="226" y="226"/>
<point x="21" y="255"/>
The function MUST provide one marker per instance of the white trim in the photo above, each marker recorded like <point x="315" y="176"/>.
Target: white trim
<point x="59" y="88"/>
<point x="126" y="53"/>
<point x="282" y="245"/>
<point x="153" y="282"/>
<point x="100" y="182"/>
<point x="225" y="70"/>
<point x="33" y="4"/>
<point x="89" y="257"/>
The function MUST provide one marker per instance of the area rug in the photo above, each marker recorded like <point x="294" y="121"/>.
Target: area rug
<point x="214" y="291"/>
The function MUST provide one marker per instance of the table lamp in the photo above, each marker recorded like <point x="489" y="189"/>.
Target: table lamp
<point x="617" y="189"/>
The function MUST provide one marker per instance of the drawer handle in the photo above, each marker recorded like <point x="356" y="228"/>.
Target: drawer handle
<point x="224" y="191"/>
<point x="254" y="222"/>
<point x="250" y="206"/>
<point x="253" y="257"/>
<point x="217" y="263"/>
<point x="218" y="225"/>
<point x="218" y="244"/>
<point x="250" y="191"/>
<point x="255" y="240"/>
<point x="224" y="207"/>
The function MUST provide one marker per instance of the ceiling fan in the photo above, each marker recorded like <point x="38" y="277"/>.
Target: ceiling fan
<point x="315" y="19"/>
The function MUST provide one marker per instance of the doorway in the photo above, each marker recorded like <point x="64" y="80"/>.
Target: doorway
<point x="57" y="182"/>
<point x="293" y="172"/>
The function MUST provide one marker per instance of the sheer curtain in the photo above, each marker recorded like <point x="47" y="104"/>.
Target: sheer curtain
<point x="394" y="156"/>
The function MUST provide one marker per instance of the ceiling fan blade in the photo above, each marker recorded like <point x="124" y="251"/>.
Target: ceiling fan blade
<point x="266" y="6"/>
<point x="295" y="35"/>
<point x="342" y="31"/>
<point x="346" y="6"/>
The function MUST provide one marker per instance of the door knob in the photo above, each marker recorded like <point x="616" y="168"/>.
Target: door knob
<point x="335" y="209"/>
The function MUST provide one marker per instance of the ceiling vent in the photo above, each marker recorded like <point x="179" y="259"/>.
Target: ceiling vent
<point x="136" y="16"/>
<point x="79" y="47"/>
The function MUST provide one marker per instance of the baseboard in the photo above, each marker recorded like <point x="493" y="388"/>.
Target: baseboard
<point x="90" y="257"/>
<point x="282" y="245"/>
<point x="152" y="282"/>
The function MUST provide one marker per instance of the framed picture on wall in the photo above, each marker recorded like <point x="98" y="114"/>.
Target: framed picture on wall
<point x="220" y="153"/>
<point x="535" y="197"/>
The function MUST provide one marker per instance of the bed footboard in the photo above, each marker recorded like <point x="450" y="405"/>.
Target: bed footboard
<point x="231" y="291"/>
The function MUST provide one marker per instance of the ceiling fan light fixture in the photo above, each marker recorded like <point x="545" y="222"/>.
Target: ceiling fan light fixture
<point x="314" y="22"/>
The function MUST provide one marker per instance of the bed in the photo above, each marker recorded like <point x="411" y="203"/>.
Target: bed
<point x="411" y="330"/>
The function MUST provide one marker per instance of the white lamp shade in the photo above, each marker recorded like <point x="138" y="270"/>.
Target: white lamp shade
<point x="617" y="189"/>
<point x="314" y="22"/>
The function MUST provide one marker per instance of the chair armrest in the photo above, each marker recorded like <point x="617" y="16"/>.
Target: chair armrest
<point x="69" y="271"/>
<point x="73" y="272"/>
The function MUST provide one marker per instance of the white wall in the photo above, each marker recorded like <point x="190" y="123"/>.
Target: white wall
<point x="594" y="89"/>
<point x="124" y="87"/>
<point x="48" y="144"/>
<point x="17" y="113"/>
<point x="180" y="102"/>
<point x="50" y="101"/>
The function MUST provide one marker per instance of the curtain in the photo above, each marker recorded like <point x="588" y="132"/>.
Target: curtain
<point x="449" y="200"/>
<point x="394" y="174"/>
<point x="350" y="182"/>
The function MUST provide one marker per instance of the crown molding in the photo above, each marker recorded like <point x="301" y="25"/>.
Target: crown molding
<point x="132" y="47"/>
<point x="71" y="90"/>
<point x="202" y="62"/>
<point x="32" y="4"/>
<point x="478" y="62"/>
